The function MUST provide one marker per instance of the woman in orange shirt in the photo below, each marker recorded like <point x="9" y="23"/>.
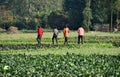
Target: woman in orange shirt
<point x="66" y="34"/>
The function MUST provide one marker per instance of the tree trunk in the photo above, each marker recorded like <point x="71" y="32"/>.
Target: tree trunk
<point x="117" y="20"/>
<point x="111" y="20"/>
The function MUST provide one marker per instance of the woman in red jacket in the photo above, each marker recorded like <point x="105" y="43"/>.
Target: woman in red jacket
<point x="40" y="33"/>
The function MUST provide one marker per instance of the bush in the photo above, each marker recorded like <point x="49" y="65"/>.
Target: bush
<point x="116" y="43"/>
<point x="1" y="29"/>
<point x="12" y="30"/>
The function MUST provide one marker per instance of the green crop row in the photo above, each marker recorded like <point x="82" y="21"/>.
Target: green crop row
<point x="87" y="39"/>
<point x="44" y="46"/>
<point x="69" y="65"/>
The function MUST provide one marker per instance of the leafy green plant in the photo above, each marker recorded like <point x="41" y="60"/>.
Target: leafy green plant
<point x="60" y="65"/>
<point x="116" y="43"/>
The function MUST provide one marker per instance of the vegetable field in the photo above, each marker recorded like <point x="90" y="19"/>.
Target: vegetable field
<point x="69" y="65"/>
<point x="21" y="56"/>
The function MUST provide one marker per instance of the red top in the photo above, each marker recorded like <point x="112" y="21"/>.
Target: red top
<point x="40" y="32"/>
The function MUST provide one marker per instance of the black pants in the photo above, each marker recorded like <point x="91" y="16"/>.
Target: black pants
<point x="54" y="37"/>
<point x="66" y="40"/>
<point x="39" y="39"/>
<point x="80" y="38"/>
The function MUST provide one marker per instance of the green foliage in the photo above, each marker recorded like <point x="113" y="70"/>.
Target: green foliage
<point x="78" y="12"/>
<point x="116" y="43"/>
<point x="117" y="4"/>
<point x="69" y="65"/>
<point x="100" y="11"/>
<point x="87" y="14"/>
<point x="57" y="18"/>
<point x="74" y="9"/>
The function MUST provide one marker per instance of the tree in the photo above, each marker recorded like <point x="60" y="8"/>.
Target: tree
<point x="27" y="11"/>
<point x="87" y="14"/>
<point x="57" y="18"/>
<point x="99" y="11"/>
<point x="111" y="11"/>
<point x="78" y="12"/>
<point x="117" y="8"/>
<point x="73" y="9"/>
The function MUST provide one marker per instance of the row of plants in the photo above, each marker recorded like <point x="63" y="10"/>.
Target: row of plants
<point x="32" y="43"/>
<point x="44" y="46"/>
<point x="69" y="65"/>
<point x="70" y="39"/>
<point x="26" y="46"/>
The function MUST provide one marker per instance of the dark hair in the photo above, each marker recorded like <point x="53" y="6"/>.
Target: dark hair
<point x="80" y="26"/>
<point x="39" y="26"/>
<point x="66" y="25"/>
<point x="55" y="26"/>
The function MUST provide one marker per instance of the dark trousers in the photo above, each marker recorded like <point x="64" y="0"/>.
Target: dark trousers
<point x="66" y="40"/>
<point x="80" y="38"/>
<point x="39" y="39"/>
<point x="54" y="37"/>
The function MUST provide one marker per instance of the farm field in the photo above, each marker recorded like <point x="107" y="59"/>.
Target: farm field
<point x="30" y="38"/>
<point x="21" y="56"/>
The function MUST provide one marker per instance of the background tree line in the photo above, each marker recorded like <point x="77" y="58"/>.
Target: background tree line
<point x="27" y="14"/>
